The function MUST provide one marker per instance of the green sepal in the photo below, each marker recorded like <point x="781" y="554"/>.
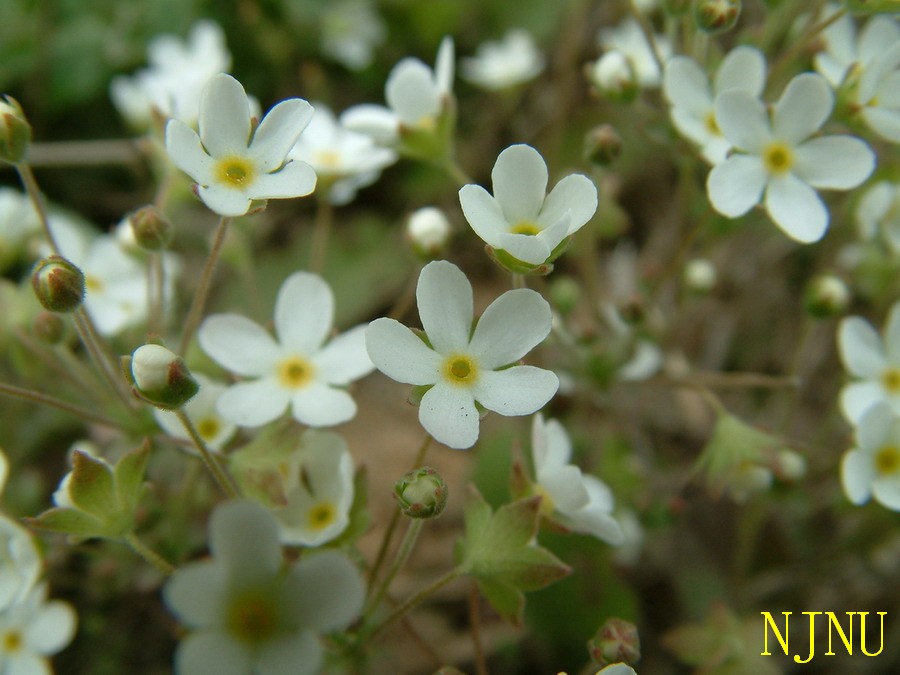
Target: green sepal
<point x="129" y="476"/>
<point x="92" y="487"/>
<point x="77" y="524"/>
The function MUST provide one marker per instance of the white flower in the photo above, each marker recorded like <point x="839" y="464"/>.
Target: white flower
<point x="298" y="370"/>
<point x="20" y="562"/>
<point x="579" y="502"/>
<point x="628" y="38"/>
<point x="175" y="78"/>
<point x="247" y="611"/>
<point x="350" y="32"/>
<point x="845" y="53"/>
<point x="214" y="429"/>
<point x="33" y="629"/>
<point x="521" y="218"/>
<point x="878" y="214"/>
<point x="463" y="365"/>
<point x="878" y="95"/>
<point x="416" y="98"/>
<point x="233" y="163"/>
<point x="872" y="468"/>
<point x="687" y="87"/>
<point x="873" y="362"/>
<point x="343" y="160"/>
<point x="506" y="63"/>
<point x="614" y="76"/>
<point x="429" y="230"/>
<point x="778" y="157"/>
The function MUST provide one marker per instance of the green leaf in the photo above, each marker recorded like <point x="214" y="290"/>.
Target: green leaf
<point x="507" y="600"/>
<point x="77" y="524"/>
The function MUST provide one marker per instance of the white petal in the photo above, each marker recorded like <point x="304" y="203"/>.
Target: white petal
<point x="238" y="344"/>
<point x="344" y="359"/>
<point x="530" y="248"/>
<point x="743" y="68"/>
<point x="51" y="629"/>
<point x="328" y="589"/>
<point x="23" y="663"/>
<point x="444" y="297"/>
<point x="513" y="325"/>
<point x="448" y="413"/>
<point x="857" y="475"/>
<point x="796" y="208"/>
<point x="519" y="179"/>
<point x="565" y="488"/>
<point x="834" y="162"/>
<point x="278" y="132"/>
<point x="743" y="120"/>
<point x="319" y="405"/>
<point x="885" y="123"/>
<point x="892" y="334"/>
<point x="243" y="537"/>
<point x="875" y="428"/>
<point x="375" y="121"/>
<point x="857" y="398"/>
<point x="298" y="653"/>
<point x="878" y="35"/>
<point x="224" y="117"/>
<point x="686" y="86"/>
<point x="693" y="125"/>
<point x="224" y="199"/>
<point x="398" y="353"/>
<point x="196" y="593"/>
<point x="187" y="153"/>
<point x="296" y="179"/>
<point x="576" y="194"/>
<point x="735" y="186"/>
<point x="411" y="93"/>
<point x="252" y="404"/>
<point x="304" y="313"/>
<point x="861" y="348"/>
<point x="803" y="107"/>
<point x="212" y="652"/>
<point x="886" y="490"/>
<point x="444" y="66"/>
<point x="598" y="523"/>
<point x="520" y="390"/>
<point x="550" y="445"/>
<point x="483" y="213"/>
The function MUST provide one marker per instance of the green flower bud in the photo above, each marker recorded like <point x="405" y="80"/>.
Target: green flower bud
<point x="716" y="16"/>
<point x="161" y="377"/>
<point x="58" y="284"/>
<point x="602" y="145"/>
<point x="428" y="232"/>
<point x="152" y="230"/>
<point x="48" y="328"/>
<point x="616" y="641"/>
<point x="421" y="493"/>
<point x="15" y="132"/>
<point x="565" y="293"/>
<point x="826" y="296"/>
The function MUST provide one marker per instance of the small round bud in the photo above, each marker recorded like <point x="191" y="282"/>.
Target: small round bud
<point x="428" y="232"/>
<point x="565" y="293"/>
<point x="790" y="465"/>
<point x="826" y="296"/>
<point x="161" y="377"/>
<point x="614" y="77"/>
<point x="616" y="641"/>
<point x="602" y="145"/>
<point x="716" y="16"/>
<point x="151" y="229"/>
<point x="48" y="328"/>
<point x="58" y="284"/>
<point x="15" y="132"/>
<point x="699" y="275"/>
<point x="421" y="493"/>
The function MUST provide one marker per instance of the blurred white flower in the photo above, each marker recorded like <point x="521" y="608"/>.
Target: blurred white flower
<point x="33" y="629"/>
<point x="878" y="214"/>
<point x="18" y="222"/>
<point x="350" y="32"/>
<point x="614" y="76"/>
<point x="428" y="230"/>
<point x="846" y="53"/>
<point x="173" y="82"/>
<point x="299" y="370"/>
<point x="777" y="161"/>
<point x="462" y="365"/>
<point x="233" y="163"/>
<point x="629" y="39"/>
<point x="250" y="613"/>
<point x="504" y="64"/>
<point x="214" y="429"/>
<point x="20" y="562"/>
<point x="687" y="88"/>
<point x="343" y="160"/>
<point x="872" y="468"/>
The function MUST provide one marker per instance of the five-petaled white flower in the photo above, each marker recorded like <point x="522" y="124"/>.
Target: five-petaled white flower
<point x="521" y="218"/>
<point x="505" y="63"/>
<point x="693" y="112"/>
<point x="845" y="53"/>
<point x="462" y="365"/>
<point x="779" y="158"/>
<point x="33" y="629"/>
<point x="298" y="370"/>
<point x="247" y="611"/>
<point x="874" y="362"/>
<point x="872" y="468"/>
<point x="582" y="503"/>
<point x="233" y="163"/>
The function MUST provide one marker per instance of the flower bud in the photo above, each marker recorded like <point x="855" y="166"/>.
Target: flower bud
<point x="48" y="328"/>
<point x="614" y="77"/>
<point x="616" y="641"/>
<point x="565" y="293"/>
<point x="699" y="275"/>
<point x="58" y="284"/>
<point x="716" y="16"/>
<point x="15" y="132"/>
<point x="421" y="493"/>
<point x="602" y="145"/>
<point x="428" y="232"/>
<point x="161" y="377"/>
<point x="152" y="230"/>
<point x="826" y="296"/>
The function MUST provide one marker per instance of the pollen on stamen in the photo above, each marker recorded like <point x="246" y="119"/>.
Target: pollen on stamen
<point x="322" y="515"/>
<point x="236" y="172"/>
<point x="890" y="380"/>
<point x="295" y="372"/>
<point x="460" y="369"/>
<point x="887" y="461"/>
<point x="525" y="227"/>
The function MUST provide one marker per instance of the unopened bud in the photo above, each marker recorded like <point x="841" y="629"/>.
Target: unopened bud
<point x="826" y="296"/>
<point x="161" y="377"/>
<point x="565" y="293"/>
<point x="428" y="232"/>
<point x="15" y="132"/>
<point x="699" y="275"/>
<point x="602" y="145"/>
<point x="616" y="641"/>
<point x="716" y="16"/>
<point x="152" y="230"/>
<point x="614" y="77"/>
<point x="633" y="309"/>
<point x="48" y="328"/>
<point x="58" y="284"/>
<point x="421" y="493"/>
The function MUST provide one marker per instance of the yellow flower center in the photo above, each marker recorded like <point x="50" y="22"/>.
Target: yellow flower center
<point x="235" y="172"/>
<point x="252" y="617"/>
<point x="322" y="515"/>
<point x="711" y="125"/>
<point x="460" y="369"/>
<point x="12" y="642"/>
<point x="295" y="372"/>
<point x="887" y="460"/>
<point x="890" y="380"/>
<point x="778" y="158"/>
<point x="328" y="159"/>
<point x="525" y="227"/>
<point x="208" y="428"/>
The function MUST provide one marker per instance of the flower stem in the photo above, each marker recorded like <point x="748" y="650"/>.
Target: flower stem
<point x="44" y="399"/>
<point x="148" y="554"/>
<point x="321" y="233"/>
<point x="403" y="553"/>
<point x="518" y="281"/>
<point x="94" y="344"/>
<point x="411" y="603"/>
<point x="37" y="200"/>
<point x="455" y="171"/>
<point x="218" y="473"/>
<point x="196" y="312"/>
<point x="156" y="284"/>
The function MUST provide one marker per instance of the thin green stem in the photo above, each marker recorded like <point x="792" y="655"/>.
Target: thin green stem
<point x="801" y="43"/>
<point x="649" y="35"/>
<point x="212" y="465"/>
<point x="44" y="399"/>
<point x="161" y="564"/>
<point x="518" y="280"/>
<point x="318" y="249"/>
<point x="104" y="363"/>
<point x="195" y="314"/>
<point x="156" y="284"/>
<point x="403" y="553"/>
<point x="456" y="172"/>
<point x="414" y="601"/>
<point x="37" y="200"/>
